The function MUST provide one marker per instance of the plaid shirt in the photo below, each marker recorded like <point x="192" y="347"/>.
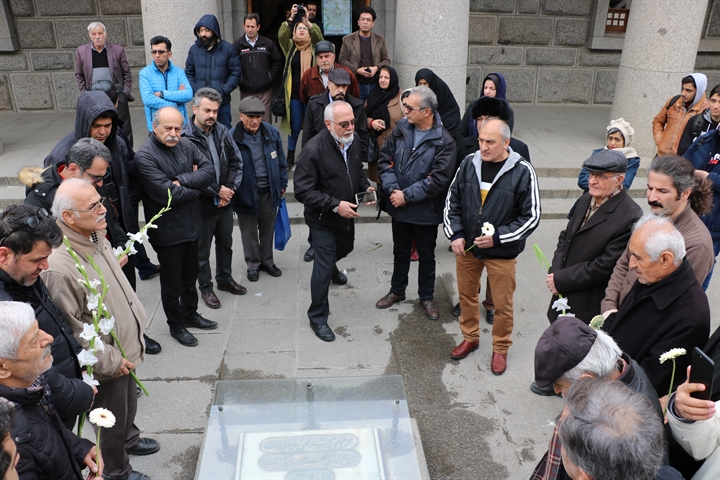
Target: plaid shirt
<point x="551" y="463"/>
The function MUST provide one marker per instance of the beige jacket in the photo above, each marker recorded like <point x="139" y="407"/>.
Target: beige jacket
<point x="121" y="301"/>
<point x="698" y="251"/>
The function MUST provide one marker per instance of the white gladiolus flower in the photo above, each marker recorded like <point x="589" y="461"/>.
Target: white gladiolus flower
<point x="561" y="304"/>
<point x="117" y="251"/>
<point x="144" y="235"/>
<point x="99" y="346"/>
<point x="672" y="354"/>
<point x="102" y="417"/>
<point x="136" y="237"/>
<point x="151" y="225"/>
<point x="487" y="229"/>
<point x="106" y="325"/>
<point x="94" y="283"/>
<point x="88" y="332"/>
<point x="130" y="244"/>
<point x="86" y="357"/>
<point x="93" y="300"/>
<point x="90" y="380"/>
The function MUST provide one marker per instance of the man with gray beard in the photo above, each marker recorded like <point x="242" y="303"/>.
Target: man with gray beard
<point x="326" y="163"/>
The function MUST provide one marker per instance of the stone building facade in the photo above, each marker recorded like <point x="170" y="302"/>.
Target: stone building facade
<point x="550" y="51"/>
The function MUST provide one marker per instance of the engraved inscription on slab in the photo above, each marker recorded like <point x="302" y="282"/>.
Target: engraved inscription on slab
<point x="325" y="455"/>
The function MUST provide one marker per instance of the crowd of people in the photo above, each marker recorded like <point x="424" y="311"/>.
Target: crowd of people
<point x="640" y="278"/>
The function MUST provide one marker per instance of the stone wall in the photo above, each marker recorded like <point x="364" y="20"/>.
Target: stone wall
<point x="40" y="75"/>
<point x="540" y="48"/>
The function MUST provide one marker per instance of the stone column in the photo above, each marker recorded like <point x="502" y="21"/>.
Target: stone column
<point x="175" y="19"/>
<point x="660" y="46"/>
<point x="433" y="34"/>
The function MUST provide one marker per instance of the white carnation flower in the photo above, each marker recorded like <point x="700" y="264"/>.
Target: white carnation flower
<point x="672" y="354"/>
<point x="86" y="357"/>
<point x="106" y="325"/>
<point x="88" y="332"/>
<point x="90" y="380"/>
<point x="487" y="229"/>
<point x="102" y="417"/>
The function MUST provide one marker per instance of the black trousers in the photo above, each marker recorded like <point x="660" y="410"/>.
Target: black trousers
<point x="218" y="225"/>
<point x="329" y="248"/>
<point x="425" y="239"/>
<point x="177" y="281"/>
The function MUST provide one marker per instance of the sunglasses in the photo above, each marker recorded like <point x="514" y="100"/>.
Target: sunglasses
<point x="32" y="222"/>
<point x="98" y="178"/>
<point x="345" y="125"/>
<point x="158" y="52"/>
<point x="409" y="109"/>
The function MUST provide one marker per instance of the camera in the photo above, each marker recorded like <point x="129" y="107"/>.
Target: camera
<point x="301" y="11"/>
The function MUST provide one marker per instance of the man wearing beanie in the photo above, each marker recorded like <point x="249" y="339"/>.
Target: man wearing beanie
<point x="594" y="239"/>
<point x="669" y="123"/>
<point x="570" y="349"/>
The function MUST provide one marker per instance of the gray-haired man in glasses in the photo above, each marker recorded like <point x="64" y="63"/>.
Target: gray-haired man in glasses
<point x="27" y="237"/>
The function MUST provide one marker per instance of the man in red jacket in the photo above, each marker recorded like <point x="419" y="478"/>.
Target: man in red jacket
<point x="314" y="80"/>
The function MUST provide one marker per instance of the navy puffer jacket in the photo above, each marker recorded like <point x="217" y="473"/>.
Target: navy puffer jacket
<point x="217" y="68"/>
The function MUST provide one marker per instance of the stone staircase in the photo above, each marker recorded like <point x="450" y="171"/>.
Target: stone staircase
<point x="558" y="193"/>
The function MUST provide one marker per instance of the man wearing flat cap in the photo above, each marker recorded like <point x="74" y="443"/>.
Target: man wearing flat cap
<point x="314" y="81"/>
<point x="570" y="349"/>
<point x="594" y="239"/>
<point x="263" y="183"/>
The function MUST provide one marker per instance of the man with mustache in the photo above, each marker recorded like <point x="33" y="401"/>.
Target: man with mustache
<point x="167" y="161"/>
<point x="213" y="62"/>
<point x="47" y="449"/>
<point x="328" y="176"/>
<point x="672" y="191"/>
<point x="80" y="215"/>
<point x="315" y="80"/>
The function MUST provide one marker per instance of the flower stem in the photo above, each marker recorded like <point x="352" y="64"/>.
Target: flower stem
<point x="672" y="379"/>
<point x="81" y="423"/>
<point x="97" y="450"/>
<point x="132" y="372"/>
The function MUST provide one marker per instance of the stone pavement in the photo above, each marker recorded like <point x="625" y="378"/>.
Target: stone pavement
<point x="472" y="423"/>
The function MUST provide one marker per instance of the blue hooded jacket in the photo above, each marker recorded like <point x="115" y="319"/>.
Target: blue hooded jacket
<point x="218" y="67"/>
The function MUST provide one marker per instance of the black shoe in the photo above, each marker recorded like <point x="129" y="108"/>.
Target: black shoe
<point x="310" y="254"/>
<point x="135" y="475"/>
<point x="456" y="310"/>
<point x="183" y="336"/>
<point x="202" y="323"/>
<point x="290" y="158"/>
<point x="490" y="316"/>
<point x="272" y="270"/>
<point x="338" y="277"/>
<point x="138" y="391"/>
<point x="153" y="274"/>
<point x="323" y="332"/>
<point x="548" y="391"/>
<point x="145" y="446"/>
<point x="253" y="275"/>
<point x="151" y="346"/>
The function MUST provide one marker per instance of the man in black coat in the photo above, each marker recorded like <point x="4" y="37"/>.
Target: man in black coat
<point x="24" y="250"/>
<point x="666" y="307"/>
<point x="46" y="448"/>
<point x="328" y="176"/>
<point x="169" y="162"/>
<point x="594" y="239"/>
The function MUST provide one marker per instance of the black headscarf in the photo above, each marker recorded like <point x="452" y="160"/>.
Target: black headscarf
<point x="378" y="98"/>
<point x="447" y="105"/>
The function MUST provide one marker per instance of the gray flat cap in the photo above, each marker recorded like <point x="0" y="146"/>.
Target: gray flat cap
<point x="252" y="106"/>
<point x="339" y="76"/>
<point x="606" y="161"/>
<point x="324" y="46"/>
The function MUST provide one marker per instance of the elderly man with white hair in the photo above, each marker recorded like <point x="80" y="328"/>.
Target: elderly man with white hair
<point x="666" y="307"/>
<point x="80" y="214"/>
<point x="47" y="449"/>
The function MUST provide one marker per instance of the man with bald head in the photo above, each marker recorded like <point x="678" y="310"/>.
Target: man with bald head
<point x="493" y="205"/>
<point x="666" y="307"/>
<point x="169" y="162"/>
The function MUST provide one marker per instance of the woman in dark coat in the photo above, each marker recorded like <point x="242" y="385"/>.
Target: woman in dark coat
<point x="384" y="109"/>
<point x="447" y="105"/>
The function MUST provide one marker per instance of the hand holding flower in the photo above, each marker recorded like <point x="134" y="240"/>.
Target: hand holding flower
<point x="550" y="282"/>
<point x="125" y="367"/>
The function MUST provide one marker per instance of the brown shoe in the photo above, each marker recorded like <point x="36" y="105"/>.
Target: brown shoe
<point x="211" y="300"/>
<point x="464" y="349"/>
<point x="233" y="287"/>
<point x="431" y="309"/>
<point x="389" y="300"/>
<point x="498" y="364"/>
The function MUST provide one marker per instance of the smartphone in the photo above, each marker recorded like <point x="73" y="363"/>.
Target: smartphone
<point x="365" y="197"/>
<point x="702" y="371"/>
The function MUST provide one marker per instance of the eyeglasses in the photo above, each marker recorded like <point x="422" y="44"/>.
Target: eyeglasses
<point x="92" y="209"/>
<point x="158" y="52"/>
<point x="345" y="125"/>
<point x="409" y="109"/>
<point x="32" y="221"/>
<point x="98" y="178"/>
<point x="600" y="176"/>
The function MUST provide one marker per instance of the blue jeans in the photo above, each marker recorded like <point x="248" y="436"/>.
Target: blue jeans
<point x="329" y="248"/>
<point x="716" y="248"/>
<point x="297" y="115"/>
<point x="224" y="115"/>
<point x="365" y="89"/>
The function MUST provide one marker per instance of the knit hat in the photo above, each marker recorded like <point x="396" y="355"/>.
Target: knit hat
<point x="625" y="128"/>
<point x="562" y="346"/>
